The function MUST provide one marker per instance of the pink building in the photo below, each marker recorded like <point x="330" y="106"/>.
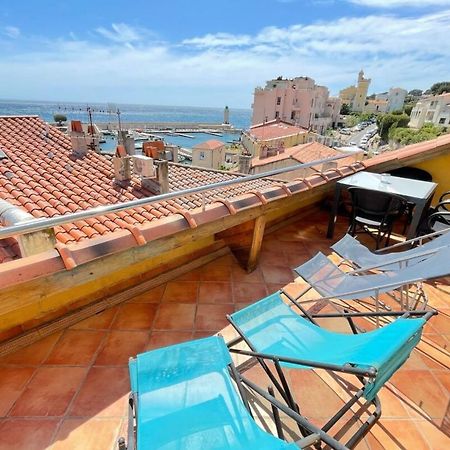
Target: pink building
<point x="298" y="101"/>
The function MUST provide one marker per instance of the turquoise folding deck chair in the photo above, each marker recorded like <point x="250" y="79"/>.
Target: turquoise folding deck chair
<point x="271" y="328"/>
<point x="183" y="397"/>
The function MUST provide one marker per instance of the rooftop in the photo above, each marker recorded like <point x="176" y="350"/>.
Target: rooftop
<point x="69" y="390"/>
<point x="304" y="153"/>
<point x="212" y="144"/>
<point x="274" y="129"/>
<point x="44" y="177"/>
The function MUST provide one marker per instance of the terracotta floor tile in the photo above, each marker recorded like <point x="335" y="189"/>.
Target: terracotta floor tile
<point x="215" y="292"/>
<point x="175" y="316"/>
<point x="103" y="394"/>
<point x="34" y="354"/>
<point x="76" y="348"/>
<point x="277" y="274"/>
<point x="226" y="260"/>
<point x="421" y="387"/>
<point x="272" y="258"/>
<point x="211" y="272"/>
<point x="274" y="287"/>
<point x="238" y="274"/>
<point x="119" y="346"/>
<point x="164" y="338"/>
<point x="151" y="296"/>
<point x="92" y="434"/>
<point x="212" y="317"/>
<point x="398" y="434"/>
<point x="27" y="434"/>
<point x="315" y="398"/>
<point x="193" y="275"/>
<point x="438" y="438"/>
<point x="248" y="292"/>
<point x="181" y="292"/>
<point x="49" y="392"/>
<point x="100" y="321"/>
<point x="137" y="316"/>
<point x="12" y="382"/>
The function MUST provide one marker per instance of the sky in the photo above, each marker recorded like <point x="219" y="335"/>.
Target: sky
<point x="214" y="53"/>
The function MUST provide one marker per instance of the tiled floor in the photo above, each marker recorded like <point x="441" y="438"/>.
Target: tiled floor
<point x="69" y="390"/>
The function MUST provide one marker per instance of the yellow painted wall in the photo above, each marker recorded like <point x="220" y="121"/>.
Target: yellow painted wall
<point x="439" y="168"/>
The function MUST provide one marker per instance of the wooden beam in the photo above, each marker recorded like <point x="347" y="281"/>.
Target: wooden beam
<point x="255" y="250"/>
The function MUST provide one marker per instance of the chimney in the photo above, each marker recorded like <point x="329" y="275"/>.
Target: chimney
<point x="78" y="138"/>
<point x="172" y="152"/>
<point x="121" y="165"/>
<point x="244" y="163"/>
<point x="160" y="184"/>
<point x="31" y="243"/>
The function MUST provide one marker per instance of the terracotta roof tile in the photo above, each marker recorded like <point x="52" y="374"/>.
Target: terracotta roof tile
<point x="274" y="130"/>
<point x="212" y="144"/>
<point x="43" y="177"/>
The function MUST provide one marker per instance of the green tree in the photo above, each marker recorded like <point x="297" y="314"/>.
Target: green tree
<point x="408" y="108"/>
<point x="345" y="109"/>
<point x="415" y="92"/>
<point x="386" y="121"/>
<point x="59" y="118"/>
<point x="440" y="87"/>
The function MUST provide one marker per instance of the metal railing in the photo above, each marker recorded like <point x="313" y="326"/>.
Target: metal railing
<point x="40" y="224"/>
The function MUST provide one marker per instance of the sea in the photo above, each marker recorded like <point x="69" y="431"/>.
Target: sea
<point x="107" y="112"/>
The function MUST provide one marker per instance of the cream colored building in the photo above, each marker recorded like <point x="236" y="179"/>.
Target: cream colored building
<point x="435" y="110"/>
<point x="356" y="96"/>
<point x="298" y="154"/>
<point x="272" y="135"/>
<point x="209" y="154"/>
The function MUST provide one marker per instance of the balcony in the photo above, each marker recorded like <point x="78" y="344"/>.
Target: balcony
<point x="68" y="388"/>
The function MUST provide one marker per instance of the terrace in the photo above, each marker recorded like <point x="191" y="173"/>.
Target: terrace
<point x="70" y="389"/>
<point x="71" y="316"/>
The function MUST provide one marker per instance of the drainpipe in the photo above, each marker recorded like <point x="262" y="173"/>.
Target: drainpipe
<point x="31" y="243"/>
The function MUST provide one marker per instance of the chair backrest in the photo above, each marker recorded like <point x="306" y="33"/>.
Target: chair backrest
<point x="411" y="172"/>
<point x="375" y="205"/>
<point x="187" y="399"/>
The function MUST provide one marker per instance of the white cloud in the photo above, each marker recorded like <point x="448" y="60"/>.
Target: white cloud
<point x="12" y="32"/>
<point x="222" y="68"/>
<point x="218" y="40"/>
<point x="400" y="3"/>
<point x="120" y="33"/>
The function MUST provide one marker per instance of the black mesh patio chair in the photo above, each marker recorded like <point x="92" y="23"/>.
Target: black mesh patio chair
<point x="372" y="210"/>
<point x="415" y="174"/>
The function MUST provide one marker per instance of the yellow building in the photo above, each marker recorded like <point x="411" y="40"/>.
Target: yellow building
<point x="356" y="96"/>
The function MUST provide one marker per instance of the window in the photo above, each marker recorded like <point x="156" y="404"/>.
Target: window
<point x="202" y="155"/>
<point x="277" y="114"/>
<point x="442" y="120"/>
<point x="278" y="100"/>
<point x="293" y="115"/>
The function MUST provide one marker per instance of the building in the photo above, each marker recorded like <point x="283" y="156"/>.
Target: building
<point x="209" y="154"/>
<point x="272" y="135"/>
<point x="395" y="99"/>
<point x="298" y="101"/>
<point x="435" y="110"/>
<point x="376" y="106"/>
<point x="303" y="153"/>
<point x="356" y="96"/>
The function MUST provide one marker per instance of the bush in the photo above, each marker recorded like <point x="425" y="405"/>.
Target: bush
<point x="407" y="136"/>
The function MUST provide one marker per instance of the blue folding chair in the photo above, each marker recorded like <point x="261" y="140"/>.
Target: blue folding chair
<point x="186" y="397"/>
<point x="272" y="329"/>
